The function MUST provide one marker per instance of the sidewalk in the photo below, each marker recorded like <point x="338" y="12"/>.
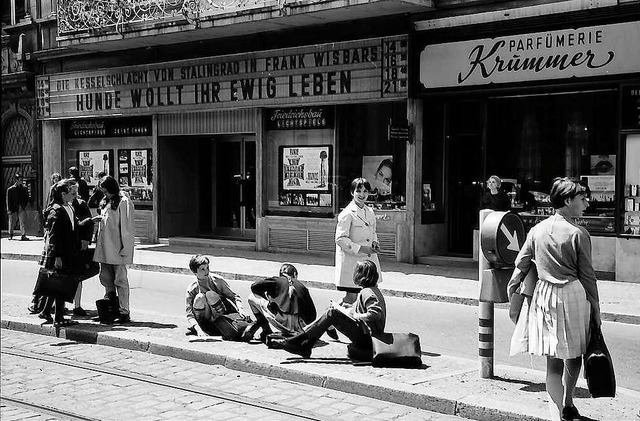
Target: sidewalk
<point x="619" y="300"/>
<point x="445" y="384"/>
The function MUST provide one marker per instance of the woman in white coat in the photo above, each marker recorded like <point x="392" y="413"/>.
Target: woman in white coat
<point x="356" y="239"/>
<point x="114" y="246"/>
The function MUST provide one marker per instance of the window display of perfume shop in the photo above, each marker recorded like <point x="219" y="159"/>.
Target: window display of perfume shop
<point x="117" y="147"/>
<point x="310" y="164"/>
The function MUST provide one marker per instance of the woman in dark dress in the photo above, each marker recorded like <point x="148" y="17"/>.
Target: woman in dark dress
<point x="61" y="242"/>
<point x="495" y="198"/>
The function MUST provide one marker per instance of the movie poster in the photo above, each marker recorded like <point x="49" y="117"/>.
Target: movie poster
<point x="378" y="170"/>
<point x="305" y="168"/>
<point x="139" y="167"/>
<point x="90" y="163"/>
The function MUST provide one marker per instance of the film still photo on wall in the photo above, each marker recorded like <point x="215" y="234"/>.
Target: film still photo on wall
<point x="378" y="169"/>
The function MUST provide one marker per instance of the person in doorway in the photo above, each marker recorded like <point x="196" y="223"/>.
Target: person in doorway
<point x="115" y="244"/>
<point x="565" y="299"/>
<point x="356" y="239"/>
<point x="495" y="198"/>
<point x="83" y="188"/>
<point x="61" y="243"/>
<point x="17" y="200"/>
<point x="281" y="305"/>
<point x="366" y="318"/>
<point x="208" y="297"/>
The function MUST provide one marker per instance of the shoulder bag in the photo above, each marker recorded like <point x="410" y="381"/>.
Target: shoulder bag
<point x="396" y="350"/>
<point x="523" y="291"/>
<point x="598" y="366"/>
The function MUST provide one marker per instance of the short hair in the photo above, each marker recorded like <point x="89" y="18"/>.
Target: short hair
<point x="385" y="163"/>
<point x="358" y="183"/>
<point x="74" y="171"/>
<point x="496" y="179"/>
<point x="564" y="188"/>
<point x="56" y="175"/>
<point x="101" y="174"/>
<point x="60" y="188"/>
<point x="365" y="274"/>
<point x="287" y="269"/>
<point x="197" y="261"/>
<point x="17" y="175"/>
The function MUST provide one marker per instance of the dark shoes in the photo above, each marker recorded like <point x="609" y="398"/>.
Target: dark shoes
<point x="64" y="323"/>
<point x="249" y="331"/>
<point x="303" y="350"/>
<point x="570" y="413"/>
<point x="46" y="317"/>
<point x="79" y="311"/>
<point x="332" y="333"/>
<point x="191" y="331"/>
<point x="24" y="238"/>
<point x="122" y="318"/>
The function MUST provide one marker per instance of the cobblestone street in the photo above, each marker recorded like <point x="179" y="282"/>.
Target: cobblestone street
<point x="97" y="382"/>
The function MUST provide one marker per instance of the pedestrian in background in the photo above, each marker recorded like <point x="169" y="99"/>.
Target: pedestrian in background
<point x="495" y="198"/>
<point x="115" y="244"/>
<point x="565" y="298"/>
<point x="17" y="200"/>
<point x="55" y="178"/>
<point x="85" y="234"/>
<point x="97" y="195"/>
<point x="356" y="239"/>
<point x="83" y="188"/>
<point x="61" y="244"/>
<point x="366" y="318"/>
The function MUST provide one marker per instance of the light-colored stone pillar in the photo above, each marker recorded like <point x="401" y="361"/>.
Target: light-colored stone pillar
<point x="51" y="154"/>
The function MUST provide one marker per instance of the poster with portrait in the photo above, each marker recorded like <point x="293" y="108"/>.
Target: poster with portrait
<point x="378" y="170"/>
<point x="305" y="168"/>
<point x="90" y="163"/>
<point x="603" y="164"/>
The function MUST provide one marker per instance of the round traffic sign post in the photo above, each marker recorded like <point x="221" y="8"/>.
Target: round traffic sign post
<point x="501" y="237"/>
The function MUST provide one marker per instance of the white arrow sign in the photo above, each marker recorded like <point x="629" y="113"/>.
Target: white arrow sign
<point x="513" y="239"/>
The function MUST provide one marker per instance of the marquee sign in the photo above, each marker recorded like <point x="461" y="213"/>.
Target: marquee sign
<point x="326" y="73"/>
<point x="581" y="52"/>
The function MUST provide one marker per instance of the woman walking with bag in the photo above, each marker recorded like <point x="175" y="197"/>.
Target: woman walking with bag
<point x="565" y="298"/>
<point x="114" y="245"/>
<point x="61" y="243"/>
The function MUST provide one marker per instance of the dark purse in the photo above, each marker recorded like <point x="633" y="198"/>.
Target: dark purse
<point x="598" y="366"/>
<point x="231" y="326"/>
<point x="57" y="284"/>
<point x="85" y="266"/>
<point x="396" y="350"/>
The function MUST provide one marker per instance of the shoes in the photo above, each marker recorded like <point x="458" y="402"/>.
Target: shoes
<point x="79" y="311"/>
<point x="191" y="331"/>
<point x="25" y="238"/>
<point x="47" y="318"/>
<point x="65" y="323"/>
<point x="332" y="333"/>
<point x="280" y="343"/>
<point x="249" y="331"/>
<point x="122" y="318"/>
<point x="570" y="413"/>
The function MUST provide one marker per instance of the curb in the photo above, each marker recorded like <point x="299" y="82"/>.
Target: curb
<point x="608" y="317"/>
<point x="387" y="391"/>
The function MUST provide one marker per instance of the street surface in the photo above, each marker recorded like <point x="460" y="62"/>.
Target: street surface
<point x="48" y="378"/>
<point x="447" y="329"/>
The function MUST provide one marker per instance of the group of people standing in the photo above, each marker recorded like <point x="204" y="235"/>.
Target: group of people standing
<point x="69" y="230"/>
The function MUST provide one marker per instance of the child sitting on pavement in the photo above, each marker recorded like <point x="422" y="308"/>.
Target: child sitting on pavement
<point x="207" y="299"/>
<point x="281" y="305"/>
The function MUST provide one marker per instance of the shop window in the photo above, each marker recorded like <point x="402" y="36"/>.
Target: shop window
<point x="433" y="164"/>
<point x="364" y="150"/>
<point x="13" y="11"/>
<point x="531" y="140"/>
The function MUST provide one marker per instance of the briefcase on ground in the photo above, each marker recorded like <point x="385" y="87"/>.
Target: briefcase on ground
<point x="396" y="350"/>
<point x="57" y="284"/>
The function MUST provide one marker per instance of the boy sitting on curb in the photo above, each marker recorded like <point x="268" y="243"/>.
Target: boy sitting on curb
<point x="212" y="307"/>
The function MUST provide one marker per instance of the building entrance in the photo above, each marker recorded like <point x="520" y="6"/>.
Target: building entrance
<point x="207" y="187"/>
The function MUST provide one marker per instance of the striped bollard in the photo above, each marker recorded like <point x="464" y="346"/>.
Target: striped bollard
<point x="485" y="313"/>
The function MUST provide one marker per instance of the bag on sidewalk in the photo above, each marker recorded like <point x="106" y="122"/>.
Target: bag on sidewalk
<point x="598" y="366"/>
<point x="396" y="350"/>
<point x="57" y="284"/>
<point x="108" y="310"/>
<point x="231" y="326"/>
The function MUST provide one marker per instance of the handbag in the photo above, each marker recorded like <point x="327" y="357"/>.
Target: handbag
<point x="523" y="291"/>
<point x="231" y="326"/>
<point x="396" y="350"/>
<point x="57" y="284"/>
<point x="598" y="366"/>
<point x="85" y="266"/>
<point x="520" y="336"/>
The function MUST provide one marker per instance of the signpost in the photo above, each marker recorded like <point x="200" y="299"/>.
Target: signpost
<point x="501" y="237"/>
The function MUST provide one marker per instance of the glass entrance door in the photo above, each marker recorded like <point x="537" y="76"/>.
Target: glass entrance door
<point x="235" y="187"/>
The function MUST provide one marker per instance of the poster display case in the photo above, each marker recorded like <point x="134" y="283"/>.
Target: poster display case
<point x="305" y="177"/>
<point x="90" y="163"/>
<point x="135" y="175"/>
<point x="630" y="224"/>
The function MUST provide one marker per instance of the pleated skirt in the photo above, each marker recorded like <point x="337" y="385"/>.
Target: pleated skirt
<point x="559" y="320"/>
